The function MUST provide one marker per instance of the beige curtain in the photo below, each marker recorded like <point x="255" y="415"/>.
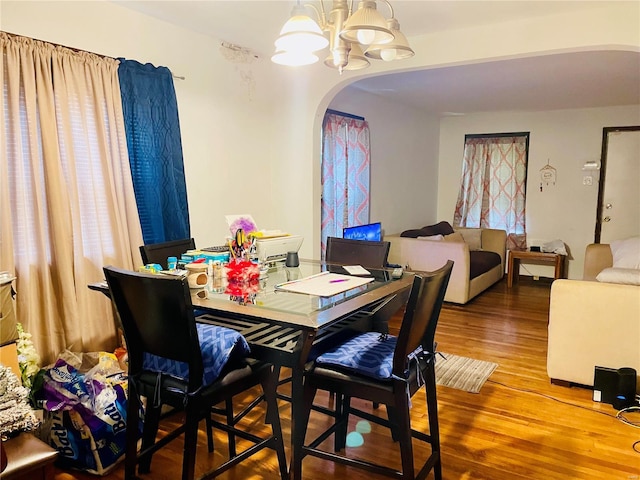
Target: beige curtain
<point x="67" y="203"/>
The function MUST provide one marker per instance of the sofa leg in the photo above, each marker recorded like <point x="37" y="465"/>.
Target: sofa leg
<point x="561" y="383"/>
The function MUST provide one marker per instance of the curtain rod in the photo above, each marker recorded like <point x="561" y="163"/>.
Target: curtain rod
<point x="348" y="115"/>
<point x="80" y="50"/>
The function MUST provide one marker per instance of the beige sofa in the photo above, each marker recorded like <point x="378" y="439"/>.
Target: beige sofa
<point x="427" y="255"/>
<point x="592" y="323"/>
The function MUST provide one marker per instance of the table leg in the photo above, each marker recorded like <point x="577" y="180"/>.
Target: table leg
<point x="297" y="407"/>
<point x="514" y="271"/>
<point x="559" y="272"/>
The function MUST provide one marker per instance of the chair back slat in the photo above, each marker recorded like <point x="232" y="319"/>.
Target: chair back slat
<point x="157" y="317"/>
<point x="421" y="315"/>
<point x="159" y="252"/>
<point x="366" y="253"/>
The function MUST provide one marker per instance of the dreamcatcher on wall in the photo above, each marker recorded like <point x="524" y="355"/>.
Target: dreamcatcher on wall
<point x="547" y="176"/>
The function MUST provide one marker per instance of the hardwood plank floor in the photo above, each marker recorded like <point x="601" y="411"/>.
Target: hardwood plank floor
<point x="518" y="427"/>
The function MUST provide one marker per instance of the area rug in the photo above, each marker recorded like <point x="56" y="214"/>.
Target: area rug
<point x="462" y="373"/>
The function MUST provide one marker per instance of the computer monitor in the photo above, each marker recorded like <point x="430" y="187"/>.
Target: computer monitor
<point x="370" y="231"/>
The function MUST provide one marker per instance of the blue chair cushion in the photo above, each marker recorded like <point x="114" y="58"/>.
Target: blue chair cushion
<point x="218" y="346"/>
<point x="369" y="354"/>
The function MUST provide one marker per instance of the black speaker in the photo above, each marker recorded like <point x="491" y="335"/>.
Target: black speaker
<point x="615" y="386"/>
<point x="605" y="385"/>
<point x="626" y="392"/>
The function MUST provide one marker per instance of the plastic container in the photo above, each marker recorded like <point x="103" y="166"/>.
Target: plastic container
<point x="172" y="263"/>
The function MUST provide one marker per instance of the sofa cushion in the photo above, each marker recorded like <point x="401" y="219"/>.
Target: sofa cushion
<point x="472" y="237"/>
<point x="481" y="261"/>
<point x="432" y="238"/>
<point x="441" y="228"/>
<point x="454" y="237"/>
<point x="626" y="253"/>
<point x="626" y="276"/>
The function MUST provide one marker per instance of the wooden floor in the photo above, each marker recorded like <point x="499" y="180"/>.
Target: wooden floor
<point x="518" y="427"/>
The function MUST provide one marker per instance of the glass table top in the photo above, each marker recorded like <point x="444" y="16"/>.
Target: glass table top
<point x="262" y="299"/>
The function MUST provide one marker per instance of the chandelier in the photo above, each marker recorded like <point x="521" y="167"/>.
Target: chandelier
<point x="354" y="36"/>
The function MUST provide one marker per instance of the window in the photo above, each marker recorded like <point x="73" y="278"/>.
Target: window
<point x="345" y="173"/>
<point x="493" y="187"/>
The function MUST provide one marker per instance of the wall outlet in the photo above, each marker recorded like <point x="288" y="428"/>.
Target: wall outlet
<point x="587" y="180"/>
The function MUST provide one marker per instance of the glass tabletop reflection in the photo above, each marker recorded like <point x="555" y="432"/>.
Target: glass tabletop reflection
<point x="262" y="298"/>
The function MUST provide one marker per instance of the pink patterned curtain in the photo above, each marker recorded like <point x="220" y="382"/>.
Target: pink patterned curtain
<point x="345" y="174"/>
<point x="492" y="193"/>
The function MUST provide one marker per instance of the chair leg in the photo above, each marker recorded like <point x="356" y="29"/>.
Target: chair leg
<point x="272" y="416"/>
<point x="131" y="452"/>
<point x="190" y="443"/>
<point x="342" y="417"/>
<point x="296" y="463"/>
<point x="210" y="444"/>
<point x="393" y="420"/>
<point x="434" y="427"/>
<point x="402" y="416"/>
<point x="230" y="422"/>
<point x="149" y="432"/>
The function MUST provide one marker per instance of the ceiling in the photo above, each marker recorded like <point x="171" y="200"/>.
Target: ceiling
<point x="559" y="81"/>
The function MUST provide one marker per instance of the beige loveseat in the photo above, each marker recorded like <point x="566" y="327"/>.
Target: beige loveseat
<point x="592" y="323"/>
<point x="428" y="255"/>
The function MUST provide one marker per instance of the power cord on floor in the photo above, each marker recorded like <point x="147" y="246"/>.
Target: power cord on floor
<point x="619" y="415"/>
<point x="550" y="398"/>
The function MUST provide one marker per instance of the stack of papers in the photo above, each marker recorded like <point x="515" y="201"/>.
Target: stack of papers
<point x="324" y="284"/>
<point x="356" y="270"/>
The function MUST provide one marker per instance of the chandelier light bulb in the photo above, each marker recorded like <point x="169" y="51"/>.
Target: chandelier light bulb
<point x="388" y="54"/>
<point x="366" y="37"/>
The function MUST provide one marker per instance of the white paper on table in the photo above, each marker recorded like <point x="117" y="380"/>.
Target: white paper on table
<point x="323" y="284"/>
<point x="356" y="270"/>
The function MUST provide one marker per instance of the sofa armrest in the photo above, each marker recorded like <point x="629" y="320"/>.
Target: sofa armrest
<point x="494" y="240"/>
<point x="597" y="257"/>
<point x="592" y="323"/>
<point x="427" y="256"/>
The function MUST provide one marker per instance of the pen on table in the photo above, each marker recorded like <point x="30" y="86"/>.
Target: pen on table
<point x="338" y="280"/>
<point x="302" y="279"/>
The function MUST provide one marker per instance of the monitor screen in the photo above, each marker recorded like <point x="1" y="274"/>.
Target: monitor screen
<point x="371" y="232"/>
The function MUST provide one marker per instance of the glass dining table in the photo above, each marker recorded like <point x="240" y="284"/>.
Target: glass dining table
<point x="288" y="329"/>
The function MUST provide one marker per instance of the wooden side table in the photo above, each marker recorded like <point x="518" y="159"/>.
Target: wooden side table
<point x="28" y="458"/>
<point x="516" y="257"/>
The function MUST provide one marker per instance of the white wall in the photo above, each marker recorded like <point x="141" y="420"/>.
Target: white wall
<point x="565" y="138"/>
<point x="224" y="121"/>
<point x="259" y="153"/>
<point x="404" y="159"/>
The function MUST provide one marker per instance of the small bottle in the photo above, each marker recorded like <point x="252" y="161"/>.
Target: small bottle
<point x="172" y="263"/>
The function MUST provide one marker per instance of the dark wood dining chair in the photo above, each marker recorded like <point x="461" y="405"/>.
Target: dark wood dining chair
<point x="388" y="370"/>
<point x="366" y="253"/>
<point x="159" y="252"/>
<point x="186" y="365"/>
